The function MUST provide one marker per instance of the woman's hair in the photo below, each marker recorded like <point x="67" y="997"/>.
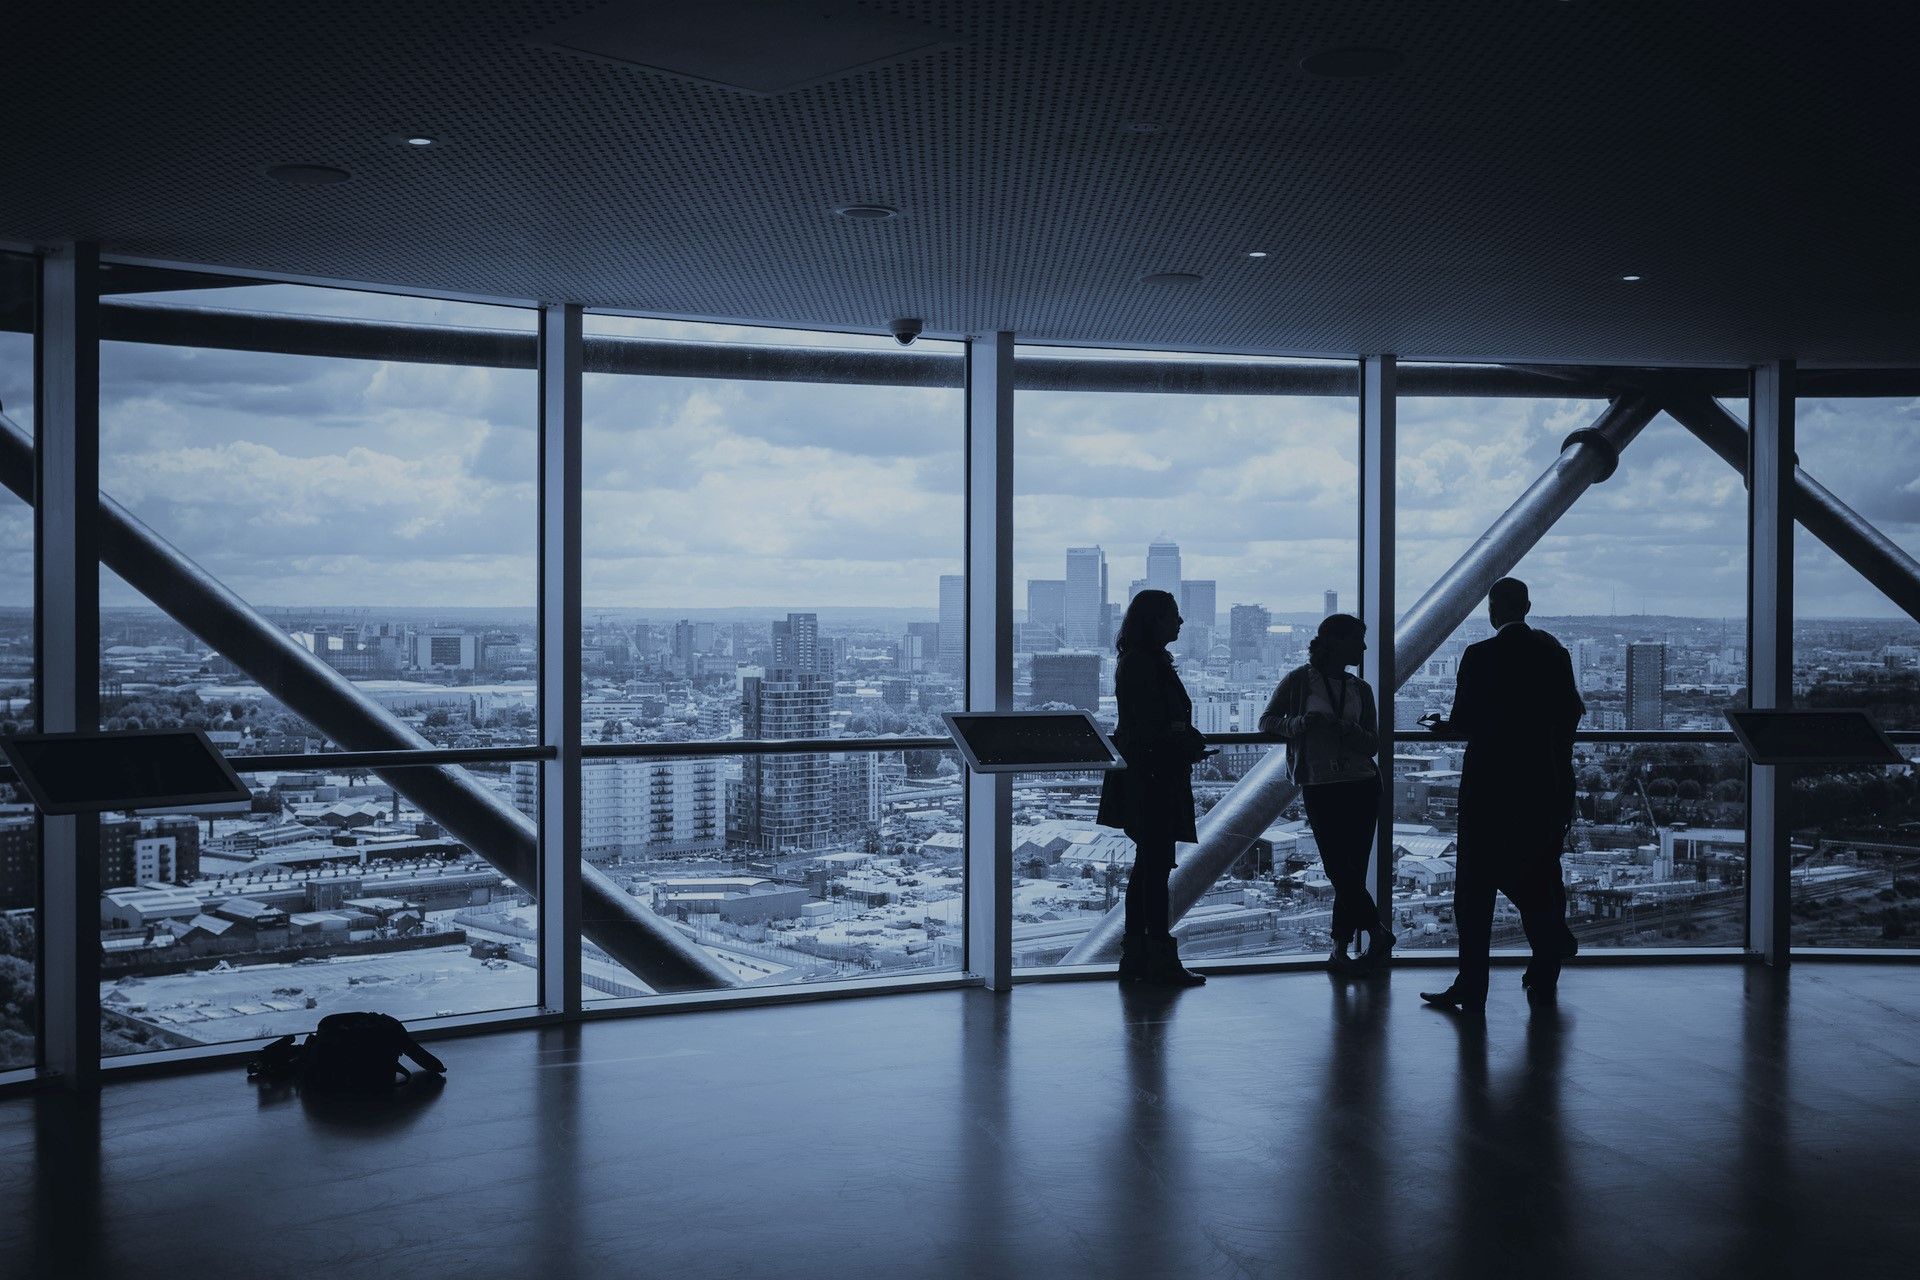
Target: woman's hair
<point x="1140" y="629"/>
<point x="1331" y="625"/>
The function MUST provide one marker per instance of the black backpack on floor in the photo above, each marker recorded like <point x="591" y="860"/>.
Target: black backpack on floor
<point x="347" y="1053"/>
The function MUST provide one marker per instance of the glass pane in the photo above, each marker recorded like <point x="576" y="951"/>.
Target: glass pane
<point x="1069" y="872"/>
<point x="1643" y="580"/>
<point x="332" y="891"/>
<point x="885" y="896"/>
<point x="1246" y="509"/>
<point x="19" y="828"/>
<point x="1856" y="832"/>
<point x="379" y="514"/>
<point x="770" y="559"/>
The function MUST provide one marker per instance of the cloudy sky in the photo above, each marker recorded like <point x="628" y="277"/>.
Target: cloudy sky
<point x="303" y="481"/>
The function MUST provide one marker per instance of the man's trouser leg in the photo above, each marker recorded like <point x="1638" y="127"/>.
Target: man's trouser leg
<point x="1474" y="887"/>
<point x="1535" y="886"/>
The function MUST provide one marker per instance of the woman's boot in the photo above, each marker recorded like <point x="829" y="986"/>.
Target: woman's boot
<point x="1166" y="968"/>
<point x="1135" y="963"/>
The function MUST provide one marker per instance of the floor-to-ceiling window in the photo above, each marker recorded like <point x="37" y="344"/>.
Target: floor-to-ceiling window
<point x="1243" y="502"/>
<point x="1643" y="579"/>
<point x="1855" y="832"/>
<point x="19" y="827"/>
<point x="772" y="543"/>
<point x="361" y="487"/>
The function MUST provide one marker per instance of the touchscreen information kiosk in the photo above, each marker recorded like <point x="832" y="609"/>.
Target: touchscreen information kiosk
<point x="1031" y="741"/>
<point x="1813" y="737"/>
<point x="67" y="773"/>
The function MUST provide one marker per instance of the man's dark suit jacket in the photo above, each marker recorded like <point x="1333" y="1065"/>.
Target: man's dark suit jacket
<point x="1517" y="705"/>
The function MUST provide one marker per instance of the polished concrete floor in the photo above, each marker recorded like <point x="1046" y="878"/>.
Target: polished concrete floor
<point x="1676" y="1121"/>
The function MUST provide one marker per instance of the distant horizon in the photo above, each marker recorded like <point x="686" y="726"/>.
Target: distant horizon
<point x="671" y="613"/>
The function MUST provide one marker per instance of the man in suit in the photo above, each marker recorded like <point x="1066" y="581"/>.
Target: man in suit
<point x="1517" y="705"/>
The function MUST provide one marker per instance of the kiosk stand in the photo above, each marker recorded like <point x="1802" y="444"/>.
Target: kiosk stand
<point x="1031" y="741"/>
<point x="68" y="773"/>
<point x="1813" y="737"/>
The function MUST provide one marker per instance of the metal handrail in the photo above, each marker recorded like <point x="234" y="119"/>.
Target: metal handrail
<point x="426" y="756"/>
<point x="758" y="747"/>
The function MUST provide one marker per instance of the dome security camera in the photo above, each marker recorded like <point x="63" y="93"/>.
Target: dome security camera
<point x="905" y="331"/>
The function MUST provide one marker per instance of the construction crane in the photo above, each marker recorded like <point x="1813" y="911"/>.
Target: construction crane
<point x="1645" y="803"/>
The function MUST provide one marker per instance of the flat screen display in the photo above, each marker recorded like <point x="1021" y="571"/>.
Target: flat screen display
<point x="93" y="772"/>
<point x="1031" y="741"/>
<point x="1813" y="737"/>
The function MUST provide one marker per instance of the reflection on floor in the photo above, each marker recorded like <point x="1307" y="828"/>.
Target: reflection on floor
<point x="1664" y="1121"/>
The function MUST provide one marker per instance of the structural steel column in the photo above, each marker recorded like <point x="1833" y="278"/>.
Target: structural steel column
<point x="67" y="646"/>
<point x="989" y="651"/>
<point x="1770" y="650"/>
<point x="559" y="818"/>
<point x="1378" y="391"/>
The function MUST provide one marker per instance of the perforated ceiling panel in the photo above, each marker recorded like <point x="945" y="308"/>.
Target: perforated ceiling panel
<point x="1753" y="162"/>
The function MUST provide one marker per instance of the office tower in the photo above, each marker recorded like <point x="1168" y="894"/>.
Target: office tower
<point x="1134" y="587"/>
<point x="921" y="647"/>
<point x="1198" y="601"/>
<point x="1247" y="631"/>
<point x="1071" y="679"/>
<point x="1197" y="606"/>
<point x="1163" y="567"/>
<point x="1047" y="601"/>
<point x="445" y="651"/>
<point x="1329" y="604"/>
<point x="1647" y="685"/>
<point x="953" y="623"/>
<point x="1046" y="615"/>
<point x="1086" y="598"/>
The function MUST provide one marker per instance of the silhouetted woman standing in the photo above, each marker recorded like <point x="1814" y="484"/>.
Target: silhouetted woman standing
<point x="1152" y="798"/>
<point x="1331" y="727"/>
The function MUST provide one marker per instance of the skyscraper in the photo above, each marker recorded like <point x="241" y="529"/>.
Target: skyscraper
<point x="1198" y="601"/>
<point x="1046" y="615"/>
<point x="953" y="622"/>
<point x="786" y="802"/>
<point x="797" y="648"/>
<point x="1086" y="598"/>
<point x="1071" y="679"/>
<point x="1647" y="685"/>
<point x="1163" y="567"/>
<point x="1247" y="631"/>
<point x="1329" y="604"/>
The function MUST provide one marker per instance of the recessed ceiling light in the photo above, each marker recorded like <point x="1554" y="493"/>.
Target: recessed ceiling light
<point x="1170" y="277"/>
<point x="1256" y="253"/>
<point x="1630" y="279"/>
<point x="420" y="140"/>
<point x="307" y="175"/>
<point x="1353" y="62"/>
<point x="867" y="212"/>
